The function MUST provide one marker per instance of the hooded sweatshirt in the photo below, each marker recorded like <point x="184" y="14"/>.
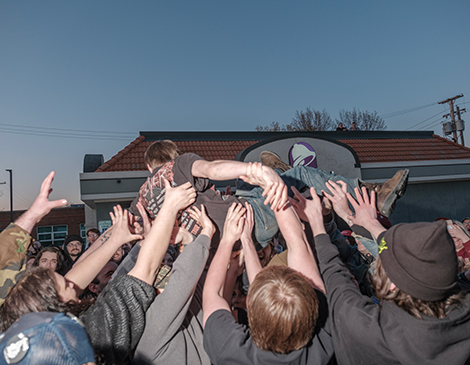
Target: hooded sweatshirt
<point x="366" y="333"/>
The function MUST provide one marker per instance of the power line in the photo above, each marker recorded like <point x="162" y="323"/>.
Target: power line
<point x="65" y="129"/>
<point x="404" y="111"/>
<point x="63" y="135"/>
<point x="415" y="125"/>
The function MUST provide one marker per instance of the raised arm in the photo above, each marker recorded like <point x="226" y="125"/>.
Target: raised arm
<point x="156" y="243"/>
<point x="83" y="272"/>
<point x="212" y="298"/>
<point x="41" y="206"/>
<point x="299" y="255"/>
<point x="253" y="266"/>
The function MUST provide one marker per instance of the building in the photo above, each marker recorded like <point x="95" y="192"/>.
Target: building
<point x="439" y="169"/>
<point x="53" y="228"/>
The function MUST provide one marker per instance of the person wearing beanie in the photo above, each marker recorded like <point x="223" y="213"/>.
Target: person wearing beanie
<point x="422" y="315"/>
<point x="72" y="248"/>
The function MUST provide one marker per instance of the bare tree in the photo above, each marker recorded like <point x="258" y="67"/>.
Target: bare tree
<point x="365" y="120"/>
<point x="273" y="127"/>
<point x="311" y="120"/>
<point x="308" y="120"/>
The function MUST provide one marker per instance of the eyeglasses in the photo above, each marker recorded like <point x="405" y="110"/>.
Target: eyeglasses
<point x="74" y="244"/>
<point x="92" y="235"/>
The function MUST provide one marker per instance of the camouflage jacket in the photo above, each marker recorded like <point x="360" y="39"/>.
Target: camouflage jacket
<point x="14" y="242"/>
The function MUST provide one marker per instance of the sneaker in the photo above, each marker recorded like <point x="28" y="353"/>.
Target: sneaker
<point x="388" y="192"/>
<point x="272" y="160"/>
<point x="302" y="154"/>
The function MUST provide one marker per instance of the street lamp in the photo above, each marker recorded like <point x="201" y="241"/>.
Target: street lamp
<point x="11" y="194"/>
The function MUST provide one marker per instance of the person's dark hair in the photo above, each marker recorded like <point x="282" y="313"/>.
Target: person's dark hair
<point x="36" y="291"/>
<point x="94" y="230"/>
<point x="60" y="257"/>
<point x="161" y="152"/>
<point x="282" y="309"/>
<point x="413" y="306"/>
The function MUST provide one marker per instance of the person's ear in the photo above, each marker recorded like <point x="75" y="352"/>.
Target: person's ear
<point x="392" y="287"/>
<point x="149" y="168"/>
<point x="94" y="288"/>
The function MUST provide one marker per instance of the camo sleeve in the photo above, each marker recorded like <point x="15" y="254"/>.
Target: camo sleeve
<point x="14" y="242"/>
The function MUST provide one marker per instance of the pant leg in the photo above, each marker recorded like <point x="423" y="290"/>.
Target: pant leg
<point x="302" y="176"/>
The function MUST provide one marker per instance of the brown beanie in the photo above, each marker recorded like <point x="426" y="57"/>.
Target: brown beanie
<point x="420" y="259"/>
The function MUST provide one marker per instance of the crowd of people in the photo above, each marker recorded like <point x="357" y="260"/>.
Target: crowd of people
<point x="299" y="266"/>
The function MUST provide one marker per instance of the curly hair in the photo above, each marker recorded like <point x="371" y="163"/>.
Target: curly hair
<point x="54" y="249"/>
<point x="36" y="291"/>
<point x="411" y="305"/>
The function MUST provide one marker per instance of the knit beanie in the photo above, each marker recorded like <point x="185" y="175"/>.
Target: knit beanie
<point x="420" y="259"/>
<point x="72" y="237"/>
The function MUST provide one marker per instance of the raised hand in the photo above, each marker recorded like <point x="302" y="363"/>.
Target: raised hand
<point x="206" y="223"/>
<point x="249" y="224"/>
<point x="146" y="224"/>
<point x="41" y="205"/>
<point x="307" y="210"/>
<point x="121" y="228"/>
<point x="180" y="197"/>
<point x="365" y="211"/>
<point x="234" y="223"/>
<point x="338" y="198"/>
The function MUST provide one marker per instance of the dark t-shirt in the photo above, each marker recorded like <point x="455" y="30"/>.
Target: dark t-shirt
<point x="227" y="342"/>
<point x="178" y="172"/>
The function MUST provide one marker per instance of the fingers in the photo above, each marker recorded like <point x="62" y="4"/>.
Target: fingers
<point x="46" y="184"/>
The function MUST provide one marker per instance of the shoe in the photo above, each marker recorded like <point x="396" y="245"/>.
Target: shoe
<point x="272" y="160"/>
<point x="388" y="192"/>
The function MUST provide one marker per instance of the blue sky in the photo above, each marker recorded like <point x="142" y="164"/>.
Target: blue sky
<point x="80" y="68"/>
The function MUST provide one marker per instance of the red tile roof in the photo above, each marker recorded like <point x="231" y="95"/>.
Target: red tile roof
<point x="131" y="158"/>
<point x="406" y="149"/>
<point x="368" y="150"/>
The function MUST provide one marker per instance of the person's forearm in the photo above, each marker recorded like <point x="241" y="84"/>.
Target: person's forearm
<point x="230" y="279"/>
<point x="252" y="264"/>
<point x="299" y="255"/>
<point x="154" y="246"/>
<point x="83" y="272"/>
<point x="100" y="241"/>
<point x="218" y="269"/>
<point x="28" y="220"/>
<point x="219" y="169"/>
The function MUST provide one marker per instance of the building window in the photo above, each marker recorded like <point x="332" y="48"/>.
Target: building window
<point x="52" y="235"/>
<point x="83" y="231"/>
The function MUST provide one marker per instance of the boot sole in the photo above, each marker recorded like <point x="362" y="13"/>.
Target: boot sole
<point x="397" y="193"/>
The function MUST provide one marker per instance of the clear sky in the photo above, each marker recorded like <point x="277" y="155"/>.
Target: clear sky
<point x="80" y="77"/>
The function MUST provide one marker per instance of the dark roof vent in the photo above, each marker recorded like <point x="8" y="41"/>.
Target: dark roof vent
<point x="92" y="162"/>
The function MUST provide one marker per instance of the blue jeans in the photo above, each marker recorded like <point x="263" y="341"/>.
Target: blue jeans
<point x="301" y="176"/>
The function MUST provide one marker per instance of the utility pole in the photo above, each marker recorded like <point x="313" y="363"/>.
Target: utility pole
<point x="452" y="117"/>
<point x="11" y="194"/>
<point x="460" y="122"/>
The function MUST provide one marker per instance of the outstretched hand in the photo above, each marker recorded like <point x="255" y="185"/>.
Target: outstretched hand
<point x="41" y="205"/>
<point x="146" y="224"/>
<point x="307" y="210"/>
<point x="121" y="228"/>
<point x="273" y="187"/>
<point x="338" y="198"/>
<point x="234" y="222"/>
<point x="249" y="224"/>
<point x="365" y="211"/>
<point x="202" y="217"/>
<point x="179" y="197"/>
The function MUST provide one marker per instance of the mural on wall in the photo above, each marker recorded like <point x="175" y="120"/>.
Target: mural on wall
<point x="328" y="155"/>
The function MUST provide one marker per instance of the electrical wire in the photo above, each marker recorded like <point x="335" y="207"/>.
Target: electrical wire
<point x="415" y="125"/>
<point x="64" y="135"/>
<point x="405" y="111"/>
